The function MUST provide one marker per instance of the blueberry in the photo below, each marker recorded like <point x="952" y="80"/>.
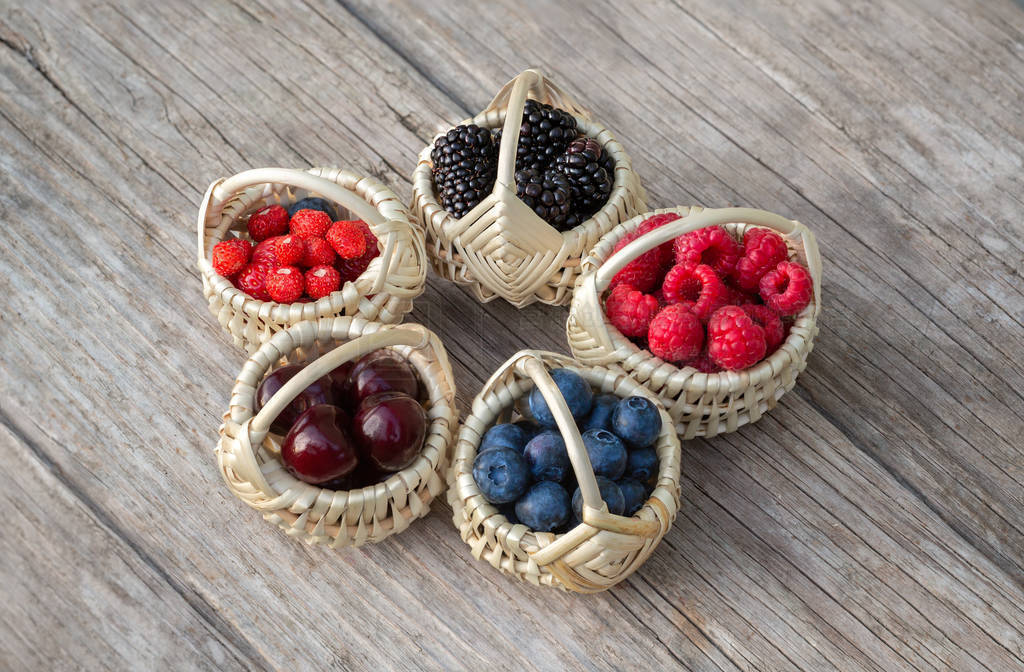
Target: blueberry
<point x="610" y="493"/>
<point x="501" y="474"/>
<point x="634" y="494"/>
<point x="601" y="413"/>
<point x="576" y="392"/>
<point x="544" y="507"/>
<point x="607" y="454"/>
<point x="642" y="464"/>
<point x="503" y="436"/>
<point x="636" y="421"/>
<point x="509" y="511"/>
<point x="313" y="203"/>
<point x="547" y="457"/>
<point x="530" y="429"/>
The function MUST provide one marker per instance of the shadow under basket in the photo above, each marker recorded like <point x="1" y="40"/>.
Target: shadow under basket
<point x="502" y="248"/>
<point x="602" y="550"/>
<point x="248" y="455"/>
<point x="384" y="292"/>
<point x="701" y="404"/>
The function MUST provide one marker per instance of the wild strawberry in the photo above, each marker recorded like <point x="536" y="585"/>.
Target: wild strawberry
<point x="318" y="252"/>
<point x="265" y="252"/>
<point x="285" y="284"/>
<point x="253" y="281"/>
<point x="290" y="250"/>
<point x="268" y="221"/>
<point x="347" y="239"/>
<point x="230" y="256"/>
<point x="322" y="280"/>
<point x="310" y="223"/>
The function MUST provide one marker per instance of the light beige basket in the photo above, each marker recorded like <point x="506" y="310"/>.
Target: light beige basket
<point x="605" y="548"/>
<point x="248" y="457"/>
<point x="502" y="248"/>
<point x="384" y="292"/>
<point x="701" y="404"/>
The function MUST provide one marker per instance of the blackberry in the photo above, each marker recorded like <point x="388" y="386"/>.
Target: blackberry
<point x="548" y="194"/>
<point x="465" y="165"/>
<point x="545" y="133"/>
<point x="582" y="165"/>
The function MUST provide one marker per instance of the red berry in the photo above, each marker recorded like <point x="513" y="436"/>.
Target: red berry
<point x="769" y="320"/>
<point x="268" y="221"/>
<point x="347" y="239"/>
<point x="642" y="273"/>
<point x="699" y="284"/>
<point x="735" y="342"/>
<point x="318" y="252"/>
<point x="630" y="311"/>
<point x="675" y="334"/>
<point x="787" y="289"/>
<point x="712" y="246"/>
<point x="652" y="223"/>
<point x="230" y="256"/>
<point x="265" y="253"/>
<point x="310" y="223"/>
<point x="285" y="284"/>
<point x="763" y="249"/>
<point x="253" y="281"/>
<point x="351" y="269"/>
<point x="322" y="280"/>
<point x="290" y="250"/>
<point x="703" y="363"/>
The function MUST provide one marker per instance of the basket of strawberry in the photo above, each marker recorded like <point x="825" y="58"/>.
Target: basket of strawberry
<point x="713" y="310"/>
<point x="278" y="246"/>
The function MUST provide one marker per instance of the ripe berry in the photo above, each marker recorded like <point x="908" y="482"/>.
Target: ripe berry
<point x="347" y="239"/>
<point x="502" y="475"/>
<point x="310" y="223"/>
<point x="575" y="390"/>
<point x="642" y="464"/>
<point x="703" y="363"/>
<point x="547" y="457"/>
<point x="290" y="250"/>
<point x="610" y="493"/>
<point x="265" y="253"/>
<point x="600" y="413"/>
<point x="636" y="421"/>
<point x="268" y="221"/>
<point x="699" y="284"/>
<point x="544" y="507"/>
<point x="607" y="453"/>
<point x="735" y="342"/>
<point x="351" y="269"/>
<point x="769" y="320"/>
<point x="787" y="289"/>
<point x="712" y="246"/>
<point x="630" y="311"/>
<point x="230" y="256"/>
<point x="642" y="273"/>
<point x="322" y="280"/>
<point x="665" y="250"/>
<point x="285" y="284"/>
<point x="634" y="494"/>
<point x="318" y="252"/>
<point x="763" y="249"/>
<point x="505" y="435"/>
<point x="253" y="281"/>
<point x="675" y="334"/>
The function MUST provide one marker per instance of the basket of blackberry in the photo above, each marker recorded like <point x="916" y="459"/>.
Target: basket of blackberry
<point x="512" y="198"/>
<point x="564" y="475"/>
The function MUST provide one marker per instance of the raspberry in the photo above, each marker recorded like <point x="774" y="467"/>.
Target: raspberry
<point x="268" y="221"/>
<point x="769" y="320"/>
<point x="310" y="223"/>
<point x="712" y="246"/>
<point x="699" y="284"/>
<point x="735" y="342"/>
<point x="230" y="256"/>
<point x="787" y="289"/>
<point x="321" y="281"/>
<point x="630" y="311"/>
<point x="644" y="272"/>
<point x="318" y="253"/>
<point x="675" y="334"/>
<point x="285" y="284"/>
<point x="763" y="250"/>
<point x="347" y="239"/>
<point x="703" y="363"/>
<point x="652" y="223"/>
<point x="290" y="250"/>
<point x="253" y="280"/>
<point x="265" y="253"/>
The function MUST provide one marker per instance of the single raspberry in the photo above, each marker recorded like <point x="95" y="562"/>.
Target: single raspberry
<point x="652" y="223"/>
<point x="642" y="273"/>
<point x="310" y="223"/>
<point x="230" y="256"/>
<point x="318" y="253"/>
<point x="253" y="281"/>
<point x="769" y="320"/>
<point x="265" y="253"/>
<point x="703" y="363"/>
<point x="699" y="284"/>
<point x="290" y="250"/>
<point x="675" y="334"/>
<point x="271" y="220"/>
<point x="322" y="280"/>
<point x="630" y="311"/>
<point x="347" y="239"/>
<point x="285" y="284"/>
<point x="735" y="342"/>
<point x="763" y="249"/>
<point x="712" y="246"/>
<point x="787" y="289"/>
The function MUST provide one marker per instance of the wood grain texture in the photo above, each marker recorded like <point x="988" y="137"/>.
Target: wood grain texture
<point x="873" y="521"/>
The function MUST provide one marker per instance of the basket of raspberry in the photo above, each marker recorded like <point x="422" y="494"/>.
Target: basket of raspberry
<point x="564" y="475"/>
<point x="338" y="429"/>
<point x="713" y="310"/>
<point x="512" y="198"/>
<point x="277" y="246"/>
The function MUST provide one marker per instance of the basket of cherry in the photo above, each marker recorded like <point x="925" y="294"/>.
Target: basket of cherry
<point x="564" y="475"/>
<point x="339" y="429"/>
<point x="278" y="246"/>
<point x="512" y="198"/>
<point x="715" y="311"/>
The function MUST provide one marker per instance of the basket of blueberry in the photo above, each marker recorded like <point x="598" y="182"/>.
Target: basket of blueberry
<point x="512" y="198"/>
<point x="277" y="246"/>
<point x="715" y="311"/>
<point x="339" y="429"/>
<point x="564" y="475"/>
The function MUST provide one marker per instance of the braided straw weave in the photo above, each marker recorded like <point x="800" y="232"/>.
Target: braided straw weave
<point x="502" y="248"/>
<point x="248" y="456"/>
<point x="599" y="552"/>
<point x="384" y="292"/>
<point x="701" y="404"/>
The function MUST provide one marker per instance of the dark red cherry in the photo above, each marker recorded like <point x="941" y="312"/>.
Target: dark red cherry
<point x="318" y="448"/>
<point x="389" y="429"/>
<point x="381" y="371"/>
<point x="317" y="393"/>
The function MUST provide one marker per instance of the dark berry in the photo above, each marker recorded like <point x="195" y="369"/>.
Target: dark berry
<point x="544" y="134"/>
<point x="547" y="457"/>
<point x="636" y="421"/>
<point x="634" y="494"/>
<point x="503" y="436"/>
<point x="547" y="193"/>
<point x="642" y="464"/>
<point x="502" y="475"/>
<point x="590" y="182"/>
<point x="317" y="448"/>
<point x="313" y="203"/>
<point x="610" y="493"/>
<point x="575" y="390"/>
<point x="530" y="429"/>
<point x="544" y="507"/>
<point x="607" y="453"/>
<point x="600" y="416"/>
<point x="319" y="392"/>
<point x="465" y="164"/>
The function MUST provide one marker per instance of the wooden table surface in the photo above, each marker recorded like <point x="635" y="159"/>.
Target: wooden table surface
<point x="874" y="520"/>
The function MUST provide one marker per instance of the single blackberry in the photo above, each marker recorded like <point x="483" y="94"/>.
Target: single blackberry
<point x="590" y="182"/>
<point x="465" y="165"/>
<point x="547" y="193"/>
<point x="545" y="133"/>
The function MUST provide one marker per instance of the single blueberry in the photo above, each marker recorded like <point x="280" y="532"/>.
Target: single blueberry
<point x="313" y="203"/>
<point x="600" y="416"/>
<point x="610" y="493"/>
<point x="530" y="429"/>
<point x="634" y="494"/>
<point x="642" y="464"/>
<point x="547" y="457"/>
<point x="501" y="474"/>
<point x="544" y="507"/>
<point x="636" y="421"/>
<point x="607" y="453"/>
<point x="503" y="436"/>
<point x="576" y="392"/>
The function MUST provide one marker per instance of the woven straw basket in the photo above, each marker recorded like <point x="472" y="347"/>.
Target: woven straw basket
<point x="701" y="404"/>
<point x="248" y="456"/>
<point x="502" y="248"/>
<point x="384" y="292"/>
<point x="605" y="548"/>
